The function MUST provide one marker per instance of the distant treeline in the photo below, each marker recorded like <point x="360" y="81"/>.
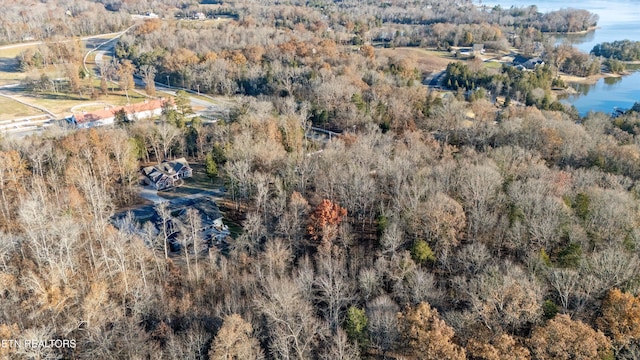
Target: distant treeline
<point x="563" y="20"/>
<point x="625" y="50"/>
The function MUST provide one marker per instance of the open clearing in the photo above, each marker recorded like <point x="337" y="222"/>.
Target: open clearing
<point x="61" y="103"/>
<point x="492" y="64"/>
<point x="427" y="60"/>
<point x="11" y="51"/>
<point x="9" y="73"/>
<point x="10" y="109"/>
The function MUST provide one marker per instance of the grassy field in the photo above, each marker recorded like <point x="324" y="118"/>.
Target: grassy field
<point x="431" y="60"/>
<point x="9" y="73"/>
<point x="426" y="60"/>
<point x="492" y="64"/>
<point x="13" y="51"/>
<point x="10" y="109"/>
<point x="61" y="104"/>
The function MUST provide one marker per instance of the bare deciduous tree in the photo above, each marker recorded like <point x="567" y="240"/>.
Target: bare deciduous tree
<point x="293" y="329"/>
<point x="335" y="290"/>
<point x="339" y="348"/>
<point x="564" y="282"/>
<point x="148" y="73"/>
<point x="383" y="322"/>
<point x="125" y="76"/>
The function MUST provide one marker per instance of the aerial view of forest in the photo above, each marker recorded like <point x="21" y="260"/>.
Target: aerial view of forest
<point x="322" y="179"/>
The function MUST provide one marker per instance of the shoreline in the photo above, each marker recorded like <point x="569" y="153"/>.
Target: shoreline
<point x="581" y="32"/>
<point x="589" y="80"/>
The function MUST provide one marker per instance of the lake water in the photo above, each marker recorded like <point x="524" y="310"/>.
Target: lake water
<point x="618" y="20"/>
<point x="607" y="94"/>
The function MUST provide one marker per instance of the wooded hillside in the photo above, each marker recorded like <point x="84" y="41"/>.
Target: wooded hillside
<point x="432" y="227"/>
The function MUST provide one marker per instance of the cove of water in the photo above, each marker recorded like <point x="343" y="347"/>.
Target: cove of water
<point x="618" y="20"/>
<point x="606" y="94"/>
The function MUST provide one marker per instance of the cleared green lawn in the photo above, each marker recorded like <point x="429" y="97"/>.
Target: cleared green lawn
<point x="57" y="103"/>
<point x="62" y="103"/>
<point x="426" y="60"/>
<point x="13" y="51"/>
<point x="10" y="109"/>
<point x="428" y="52"/>
<point x="9" y="73"/>
<point x="492" y="64"/>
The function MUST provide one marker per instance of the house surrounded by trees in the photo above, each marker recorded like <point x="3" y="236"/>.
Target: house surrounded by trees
<point x="167" y="174"/>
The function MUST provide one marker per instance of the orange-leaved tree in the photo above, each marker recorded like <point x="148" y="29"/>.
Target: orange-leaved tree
<point x="620" y="318"/>
<point x="563" y="338"/>
<point x="503" y="347"/>
<point x="324" y="221"/>
<point x="427" y="336"/>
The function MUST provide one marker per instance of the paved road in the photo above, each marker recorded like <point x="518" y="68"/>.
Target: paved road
<point x="212" y="108"/>
<point x="435" y="79"/>
<point x="151" y="194"/>
<point x="99" y="59"/>
<point x="196" y="102"/>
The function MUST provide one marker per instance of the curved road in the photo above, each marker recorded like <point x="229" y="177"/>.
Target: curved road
<point x="201" y="101"/>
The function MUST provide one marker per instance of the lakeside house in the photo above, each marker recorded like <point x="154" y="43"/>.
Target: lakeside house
<point x="526" y="63"/>
<point x="140" y="111"/>
<point x="167" y="174"/>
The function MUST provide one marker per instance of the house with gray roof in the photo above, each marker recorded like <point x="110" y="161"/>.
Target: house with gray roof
<point x="167" y="174"/>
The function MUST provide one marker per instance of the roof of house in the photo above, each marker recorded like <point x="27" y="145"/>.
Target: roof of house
<point x="153" y="173"/>
<point x="520" y="59"/>
<point x="206" y="207"/>
<point x="178" y="164"/>
<point x="167" y="168"/>
<point x="151" y="105"/>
